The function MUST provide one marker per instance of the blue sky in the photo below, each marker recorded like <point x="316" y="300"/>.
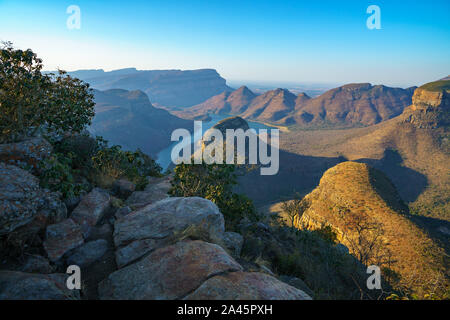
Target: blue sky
<point x="290" y="41"/>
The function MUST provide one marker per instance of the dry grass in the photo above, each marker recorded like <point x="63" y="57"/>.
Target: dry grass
<point x="351" y="190"/>
<point x="422" y="151"/>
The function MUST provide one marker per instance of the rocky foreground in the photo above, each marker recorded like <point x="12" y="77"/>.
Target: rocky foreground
<point x="150" y="247"/>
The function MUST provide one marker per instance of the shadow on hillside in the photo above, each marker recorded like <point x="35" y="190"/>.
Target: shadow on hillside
<point x="301" y="174"/>
<point x="437" y="229"/>
<point x="297" y="174"/>
<point x="409" y="183"/>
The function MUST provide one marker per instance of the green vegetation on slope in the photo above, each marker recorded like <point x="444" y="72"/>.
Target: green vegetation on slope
<point x="365" y="211"/>
<point x="59" y="107"/>
<point x="437" y="86"/>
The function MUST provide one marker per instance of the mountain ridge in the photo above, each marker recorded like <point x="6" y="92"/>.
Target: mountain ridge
<point x="351" y="105"/>
<point x="129" y="119"/>
<point x="170" y="88"/>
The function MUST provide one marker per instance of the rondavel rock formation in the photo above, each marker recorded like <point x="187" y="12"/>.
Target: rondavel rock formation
<point x="430" y="107"/>
<point x="142" y="250"/>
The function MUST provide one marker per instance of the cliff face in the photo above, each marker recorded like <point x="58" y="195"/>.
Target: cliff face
<point x="170" y="88"/>
<point x="430" y="105"/>
<point x="425" y="98"/>
<point x="127" y="118"/>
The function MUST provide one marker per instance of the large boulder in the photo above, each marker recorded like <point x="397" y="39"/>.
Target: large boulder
<point x="29" y="152"/>
<point x="61" y="238"/>
<point x="164" y="219"/>
<point x="88" y="253"/>
<point x="168" y="273"/>
<point x="91" y="209"/>
<point x="167" y="216"/>
<point x="22" y="200"/>
<point x="246" y="286"/>
<point x="16" y="285"/>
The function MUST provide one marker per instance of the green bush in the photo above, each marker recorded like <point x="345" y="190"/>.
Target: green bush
<point x="31" y="101"/>
<point x="112" y="163"/>
<point x="214" y="182"/>
<point x="83" y="158"/>
<point x="57" y="174"/>
<point x="328" y="272"/>
<point x="327" y="233"/>
<point x="83" y="147"/>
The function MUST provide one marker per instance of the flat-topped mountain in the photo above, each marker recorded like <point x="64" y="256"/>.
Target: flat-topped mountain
<point x="170" y="88"/>
<point x="127" y="118"/>
<point x="351" y="105"/>
<point x="431" y="105"/>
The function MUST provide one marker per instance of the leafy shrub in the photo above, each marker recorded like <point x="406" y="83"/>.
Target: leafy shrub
<point x="83" y="147"/>
<point x="328" y="272"/>
<point x="31" y="101"/>
<point x="83" y="158"/>
<point x="214" y="182"/>
<point x="114" y="163"/>
<point x="327" y="233"/>
<point x="57" y="174"/>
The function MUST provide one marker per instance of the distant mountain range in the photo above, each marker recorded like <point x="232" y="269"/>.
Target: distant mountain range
<point x="127" y="118"/>
<point x="346" y="106"/>
<point x="169" y="88"/>
<point x="412" y="149"/>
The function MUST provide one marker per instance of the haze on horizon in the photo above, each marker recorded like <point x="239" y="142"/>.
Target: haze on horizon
<point x="264" y="41"/>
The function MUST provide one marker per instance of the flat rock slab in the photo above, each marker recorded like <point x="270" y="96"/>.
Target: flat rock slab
<point x="91" y="209"/>
<point x="88" y="253"/>
<point x="62" y="237"/>
<point x="161" y="184"/>
<point x="16" y="285"/>
<point x="161" y="219"/>
<point x="140" y="199"/>
<point x="136" y="249"/>
<point x="157" y="189"/>
<point x="246" y="286"/>
<point x="168" y="273"/>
